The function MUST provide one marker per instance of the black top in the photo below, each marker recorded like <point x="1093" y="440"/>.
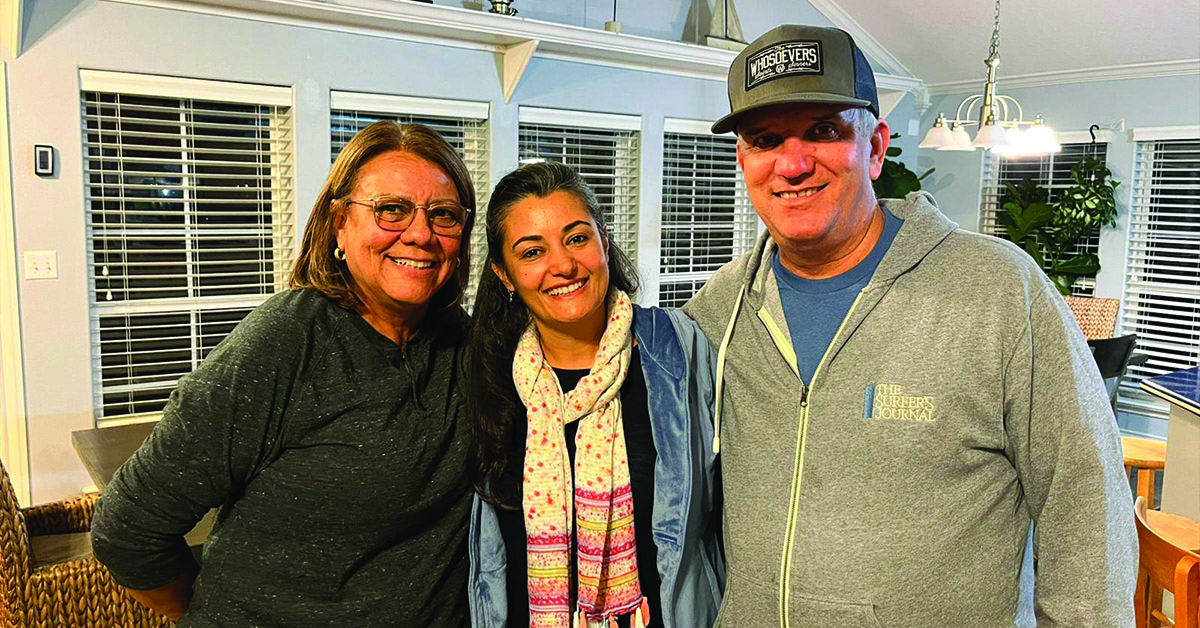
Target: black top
<point x="639" y="443"/>
<point x="338" y="461"/>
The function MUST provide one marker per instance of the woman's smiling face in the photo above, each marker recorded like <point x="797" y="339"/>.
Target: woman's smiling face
<point x="397" y="272"/>
<point x="555" y="260"/>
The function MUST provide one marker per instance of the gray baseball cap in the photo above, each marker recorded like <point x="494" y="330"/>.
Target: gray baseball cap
<point x="798" y="64"/>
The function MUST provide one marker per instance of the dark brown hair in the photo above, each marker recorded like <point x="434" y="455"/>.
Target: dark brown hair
<point x="316" y="267"/>
<point x="499" y="320"/>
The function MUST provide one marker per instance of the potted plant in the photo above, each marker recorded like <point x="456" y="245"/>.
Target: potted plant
<point x="1048" y="231"/>
<point x="896" y="180"/>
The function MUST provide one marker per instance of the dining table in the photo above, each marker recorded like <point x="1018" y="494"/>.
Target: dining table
<point x="104" y="449"/>
<point x="1181" y="474"/>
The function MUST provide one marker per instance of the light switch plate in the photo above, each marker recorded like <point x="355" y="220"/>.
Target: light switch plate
<point x="914" y="127"/>
<point x="41" y="265"/>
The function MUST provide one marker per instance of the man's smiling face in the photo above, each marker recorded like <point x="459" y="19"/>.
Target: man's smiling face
<point x="808" y="171"/>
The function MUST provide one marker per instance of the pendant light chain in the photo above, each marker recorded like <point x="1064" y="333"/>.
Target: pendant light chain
<point x="995" y="33"/>
<point x="997" y="128"/>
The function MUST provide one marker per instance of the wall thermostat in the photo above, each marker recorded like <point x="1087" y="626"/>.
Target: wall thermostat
<point x="43" y="160"/>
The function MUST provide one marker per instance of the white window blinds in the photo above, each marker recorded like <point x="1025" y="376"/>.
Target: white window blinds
<point x="1052" y="172"/>
<point x="190" y="224"/>
<point x="603" y="149"/>
<point x="464" y="125"/>
<point x="1162" y="293"/>
<point x="707" y="219"/>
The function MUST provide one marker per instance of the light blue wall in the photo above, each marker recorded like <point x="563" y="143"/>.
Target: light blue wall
<point x="1149" y="102"/>
<point x="899" y="120"/>
<point x="44" y="107"/>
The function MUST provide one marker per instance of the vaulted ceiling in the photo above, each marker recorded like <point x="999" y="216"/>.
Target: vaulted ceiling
<point x="942" y="41"/>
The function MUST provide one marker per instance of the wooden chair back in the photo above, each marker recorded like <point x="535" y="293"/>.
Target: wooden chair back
<point x="1164" y="566"/>
<point x="1144" y="457"/>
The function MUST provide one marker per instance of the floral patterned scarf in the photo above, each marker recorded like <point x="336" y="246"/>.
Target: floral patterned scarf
<point x="595" y="494"/>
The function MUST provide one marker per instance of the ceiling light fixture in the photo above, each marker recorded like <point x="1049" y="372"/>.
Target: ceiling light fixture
<point x="1000" y="119"/>
<point x="503" y="7"/>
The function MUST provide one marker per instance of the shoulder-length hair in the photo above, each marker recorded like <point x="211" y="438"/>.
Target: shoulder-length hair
<point x="500" y="318"/>
<point x="316" y="267"/>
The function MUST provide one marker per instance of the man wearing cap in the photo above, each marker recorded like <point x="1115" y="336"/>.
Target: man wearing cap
<point x="900" y="401"/>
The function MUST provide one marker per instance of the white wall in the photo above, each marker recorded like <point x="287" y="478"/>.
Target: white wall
<point x="45" y="109"/>
<point x="1148" y="102"/>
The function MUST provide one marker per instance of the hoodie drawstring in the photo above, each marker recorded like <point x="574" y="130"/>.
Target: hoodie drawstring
<point x="737" y="307"/>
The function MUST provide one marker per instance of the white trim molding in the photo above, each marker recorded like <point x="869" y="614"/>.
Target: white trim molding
<point x="176" y="87"/>
<point x="411" y="105"/>
<point x="869" y="45"/>
<point x="587" y="119"/>
<point x="14" y="442"/>
<point x="481" y="30"/>
<point x="1082" y="137"/>
<point x="10" y="26"/>
<point x="1159" y="133"/>
<point x="682" y="125"/>
<point x="1154" y="69"/>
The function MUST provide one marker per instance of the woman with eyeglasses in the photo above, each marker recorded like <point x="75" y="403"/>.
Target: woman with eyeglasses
<point x="327" y="426"/>
<point x="592" y="424"/>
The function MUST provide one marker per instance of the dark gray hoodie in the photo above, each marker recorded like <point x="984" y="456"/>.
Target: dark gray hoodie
<point x="957" y="405"/>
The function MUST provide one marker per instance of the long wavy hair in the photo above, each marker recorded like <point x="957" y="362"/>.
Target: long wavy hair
<point x="316" y="267"/>
<point x="492" y="401"/>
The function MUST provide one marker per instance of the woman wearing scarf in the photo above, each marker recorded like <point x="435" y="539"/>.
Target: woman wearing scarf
<point x="591" y="420"/>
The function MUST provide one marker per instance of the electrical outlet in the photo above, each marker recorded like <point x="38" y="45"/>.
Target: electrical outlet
<point x="914" y="127"/>
<point x="41" y="265"/>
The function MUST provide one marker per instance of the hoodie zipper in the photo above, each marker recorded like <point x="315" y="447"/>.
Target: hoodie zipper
<point x="784" y="345"/>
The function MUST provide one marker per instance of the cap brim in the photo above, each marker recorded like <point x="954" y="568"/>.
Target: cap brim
<point x="729" y="122"/>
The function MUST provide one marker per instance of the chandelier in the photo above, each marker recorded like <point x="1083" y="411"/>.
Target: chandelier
<point x="1002" y="125"/>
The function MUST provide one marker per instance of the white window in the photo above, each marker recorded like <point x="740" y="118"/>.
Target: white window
<point x="1052" y="172"/>
<point x="603" y="149"/>
<point x="707" y="219"/>
<point x="464" y="125"/>
<point x="190" y="224"/>
<point x="1162" y="291"/>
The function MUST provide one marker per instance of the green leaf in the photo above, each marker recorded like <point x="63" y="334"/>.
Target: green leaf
<point x="1063" y="283"/>
<point x="895" y="180"/>
<point x="1082" y="264"/>
<point x="1036" y="215"/>
<point x="894" y="151"/>
<point x="1034" y="251"/>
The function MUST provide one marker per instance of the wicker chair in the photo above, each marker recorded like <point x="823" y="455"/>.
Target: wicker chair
<point x="77" y="592"/>
<point x="1096" y="317"/>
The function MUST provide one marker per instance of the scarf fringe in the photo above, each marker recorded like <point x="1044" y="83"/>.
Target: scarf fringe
<point x="639" y="618"/>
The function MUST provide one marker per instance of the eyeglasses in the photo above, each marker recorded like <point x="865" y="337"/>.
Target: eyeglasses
<point x="395" y="213"/>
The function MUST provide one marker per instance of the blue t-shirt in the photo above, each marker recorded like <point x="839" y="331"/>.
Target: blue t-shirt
<point x="815" y="308"/>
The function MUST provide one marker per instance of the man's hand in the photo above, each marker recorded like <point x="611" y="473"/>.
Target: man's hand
<point x="173" y="598"/>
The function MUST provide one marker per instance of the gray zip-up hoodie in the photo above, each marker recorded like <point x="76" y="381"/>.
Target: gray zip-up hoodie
<point x="957" y="405"/>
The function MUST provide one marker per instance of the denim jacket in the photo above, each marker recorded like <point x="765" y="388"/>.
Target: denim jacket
<point x="677" y="363"/>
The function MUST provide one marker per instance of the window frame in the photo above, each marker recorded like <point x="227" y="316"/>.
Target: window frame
<point x="275" y="214"/>
<point x="623" y="213"/>
<point x="991" y="189"/>
<point x="743" y="223"/>
<point x="1142" y="281"/>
